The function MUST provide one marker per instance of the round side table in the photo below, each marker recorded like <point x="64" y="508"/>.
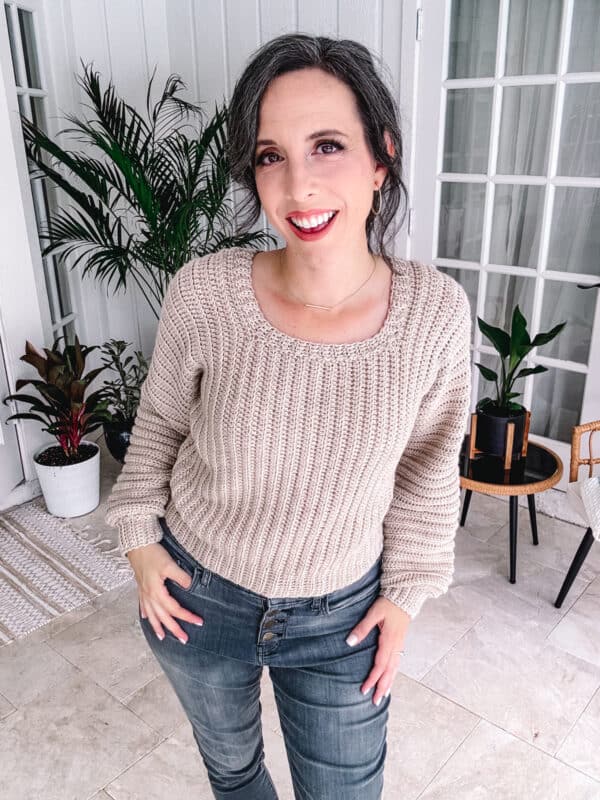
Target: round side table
<point x="539" y="470"/>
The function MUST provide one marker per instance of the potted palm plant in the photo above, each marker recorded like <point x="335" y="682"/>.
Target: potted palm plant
<point x="152" y="197"/>
<point x="494" y="413"/>
<point x="69" y="473"/>
<point x="123" y="394"/>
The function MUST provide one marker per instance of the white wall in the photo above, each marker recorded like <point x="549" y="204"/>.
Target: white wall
<point x="207" y="42"/>
<point x="124" y="40"/>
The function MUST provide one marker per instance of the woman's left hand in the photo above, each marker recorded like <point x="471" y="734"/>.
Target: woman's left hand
<point x="393" y="623"/>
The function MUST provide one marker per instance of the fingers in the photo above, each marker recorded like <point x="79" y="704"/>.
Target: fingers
<point x="162" y="611"/>
<point x="158" y="617"/>
<point x="179" y="575"/>
<point x="152" y="564"/>
<point x="381" y="676"/>
<point x="393" y="623"/>
<point x="156" y="627"/>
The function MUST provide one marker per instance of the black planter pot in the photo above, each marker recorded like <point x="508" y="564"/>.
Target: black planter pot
<point x="491" y="431"/>
<point x="116" y="436"/>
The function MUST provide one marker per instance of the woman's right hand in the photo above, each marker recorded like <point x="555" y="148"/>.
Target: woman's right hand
<point x="151" y="565"/>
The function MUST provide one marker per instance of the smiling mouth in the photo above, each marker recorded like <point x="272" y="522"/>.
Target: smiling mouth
<point x="316" y="228"/>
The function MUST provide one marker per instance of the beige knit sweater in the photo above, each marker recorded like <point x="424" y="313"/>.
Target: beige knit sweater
<point x="288" y="466"/>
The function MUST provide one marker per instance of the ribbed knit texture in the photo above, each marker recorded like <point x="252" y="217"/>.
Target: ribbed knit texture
<point x="288" y="466"/>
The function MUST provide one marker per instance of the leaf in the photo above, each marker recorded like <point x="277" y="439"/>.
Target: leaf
<point x="518" y="334"/>
<point x="499" y="338"/>
<point x="25" y="415"/>
<point x="520" y="343"/>
<point x="484" y="403"/>
<point x="515" y="407"/>
<point x="487" y="373"/>
<point x="531" y="371"/>
<point x="544" y="338"/>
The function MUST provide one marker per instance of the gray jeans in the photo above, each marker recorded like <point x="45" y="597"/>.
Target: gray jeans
<point x="335" y="737"/>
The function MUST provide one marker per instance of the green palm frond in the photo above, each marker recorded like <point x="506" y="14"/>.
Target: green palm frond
<point x="151" y="197"/>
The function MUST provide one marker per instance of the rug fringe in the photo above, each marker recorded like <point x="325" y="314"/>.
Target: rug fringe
<point x="30" y="526"/>
<point x="121" y="564"/>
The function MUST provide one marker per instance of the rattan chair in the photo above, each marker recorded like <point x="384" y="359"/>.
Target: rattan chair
<point x="588" y="538"/>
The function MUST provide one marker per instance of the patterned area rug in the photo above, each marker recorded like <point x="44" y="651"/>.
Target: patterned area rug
<point x="48" y="568"/>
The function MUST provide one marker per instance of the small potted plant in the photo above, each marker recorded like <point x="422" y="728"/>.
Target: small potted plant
<point x="494" y="414"/>
<point x="69" y="473"/>
<point x="123" y="394"/>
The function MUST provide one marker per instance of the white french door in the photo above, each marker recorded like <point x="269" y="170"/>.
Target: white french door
<point x="507" y="186"/>
<point x="35" y="298"/>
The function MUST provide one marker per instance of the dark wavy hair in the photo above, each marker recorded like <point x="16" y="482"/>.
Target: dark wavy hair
<point x="350" y="62"/>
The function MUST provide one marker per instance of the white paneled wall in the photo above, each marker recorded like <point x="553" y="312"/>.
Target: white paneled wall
<point x="207" y="42"/>
<point x="210" y="41"/>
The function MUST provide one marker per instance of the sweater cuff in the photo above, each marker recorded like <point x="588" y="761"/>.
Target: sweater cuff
<point x="408" y="599"/>
<point x="138" y="532"/>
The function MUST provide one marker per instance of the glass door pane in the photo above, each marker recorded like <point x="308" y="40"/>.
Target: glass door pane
<point x="533" y="37"/>
<point x="579" y="153"/>
<point x="584" y="47"/>
<point x="518" y="194"/>
<point x="575" y="231"/>
<point x="473" y="34"/>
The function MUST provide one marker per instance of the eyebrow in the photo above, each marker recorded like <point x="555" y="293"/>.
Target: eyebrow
<point x="315" y="135"/>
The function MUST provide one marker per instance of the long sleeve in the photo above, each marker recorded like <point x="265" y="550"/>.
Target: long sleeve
<point x="141" y="492"/>
<point x="420" y="525"/>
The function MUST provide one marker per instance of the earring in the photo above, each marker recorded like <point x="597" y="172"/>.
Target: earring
<point x="375" y="213"/>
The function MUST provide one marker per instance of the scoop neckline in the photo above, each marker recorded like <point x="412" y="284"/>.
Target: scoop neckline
<point x="253" y="317"/>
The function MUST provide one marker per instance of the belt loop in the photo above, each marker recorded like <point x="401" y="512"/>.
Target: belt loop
<point x="320" y="604"/>
<point x="205" y="577"/>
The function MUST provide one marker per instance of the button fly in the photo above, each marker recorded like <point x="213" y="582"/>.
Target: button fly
<point x="268" y="635"/>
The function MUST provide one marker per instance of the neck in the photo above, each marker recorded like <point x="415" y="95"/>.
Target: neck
<point x="325" y="279"/>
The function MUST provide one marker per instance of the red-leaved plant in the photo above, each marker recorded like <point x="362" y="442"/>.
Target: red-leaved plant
<point x="68" y="413"/>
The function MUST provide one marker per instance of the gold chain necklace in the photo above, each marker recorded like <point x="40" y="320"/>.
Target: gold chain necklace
<point x="328" y="308"/>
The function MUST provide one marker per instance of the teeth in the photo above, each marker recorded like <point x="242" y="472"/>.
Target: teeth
<point x="312" y="222"/>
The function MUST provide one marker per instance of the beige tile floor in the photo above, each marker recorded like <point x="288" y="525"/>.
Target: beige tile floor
<point x="497" y="695"/>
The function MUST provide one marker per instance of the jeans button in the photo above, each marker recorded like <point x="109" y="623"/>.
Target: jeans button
<point x="268" y="635"/>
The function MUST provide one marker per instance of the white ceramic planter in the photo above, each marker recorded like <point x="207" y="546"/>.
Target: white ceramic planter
<point x="72" y="490"/>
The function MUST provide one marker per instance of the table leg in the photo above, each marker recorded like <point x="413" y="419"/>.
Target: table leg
<point x="465" y="508"/>
<point x="513" y="514"/>
<point x="532" y="517"/>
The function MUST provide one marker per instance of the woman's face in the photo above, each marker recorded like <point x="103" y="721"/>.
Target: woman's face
<point x="312" y="159"/>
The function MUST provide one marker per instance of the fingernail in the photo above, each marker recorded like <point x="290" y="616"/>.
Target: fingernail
<point x="160" y="637"/>
<point x="183" y="641"/>
<point x="365" y="691"/>
<point x="388" y="691"/>
<point x="352" y="640"/>
<point x="378" y="701"/>
<point x="198" y="623"/>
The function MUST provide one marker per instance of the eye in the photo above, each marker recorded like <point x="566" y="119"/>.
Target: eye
<point x="260" y="159"/>
<point x="331" y="143"/>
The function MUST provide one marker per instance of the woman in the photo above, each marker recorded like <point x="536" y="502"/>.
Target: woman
<point x="290" y="494"/>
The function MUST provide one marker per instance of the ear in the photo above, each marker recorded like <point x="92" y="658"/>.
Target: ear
<point x="380" y="169"/>
<point x="389" y="144"/>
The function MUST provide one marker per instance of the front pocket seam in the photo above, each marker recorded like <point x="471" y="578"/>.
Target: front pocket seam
<point x="195" y="576"/>
<point x="352" y="600"/>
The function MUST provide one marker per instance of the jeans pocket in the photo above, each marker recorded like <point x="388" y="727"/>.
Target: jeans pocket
<point x="366" y="588"/>
<point x="183" y="560"/>
<point x="369" y="592"/>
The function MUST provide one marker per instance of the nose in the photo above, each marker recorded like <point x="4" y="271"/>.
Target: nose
<point x="299" y="179"/>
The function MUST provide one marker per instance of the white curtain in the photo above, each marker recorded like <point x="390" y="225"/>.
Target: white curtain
<point x="532" y="49"/>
